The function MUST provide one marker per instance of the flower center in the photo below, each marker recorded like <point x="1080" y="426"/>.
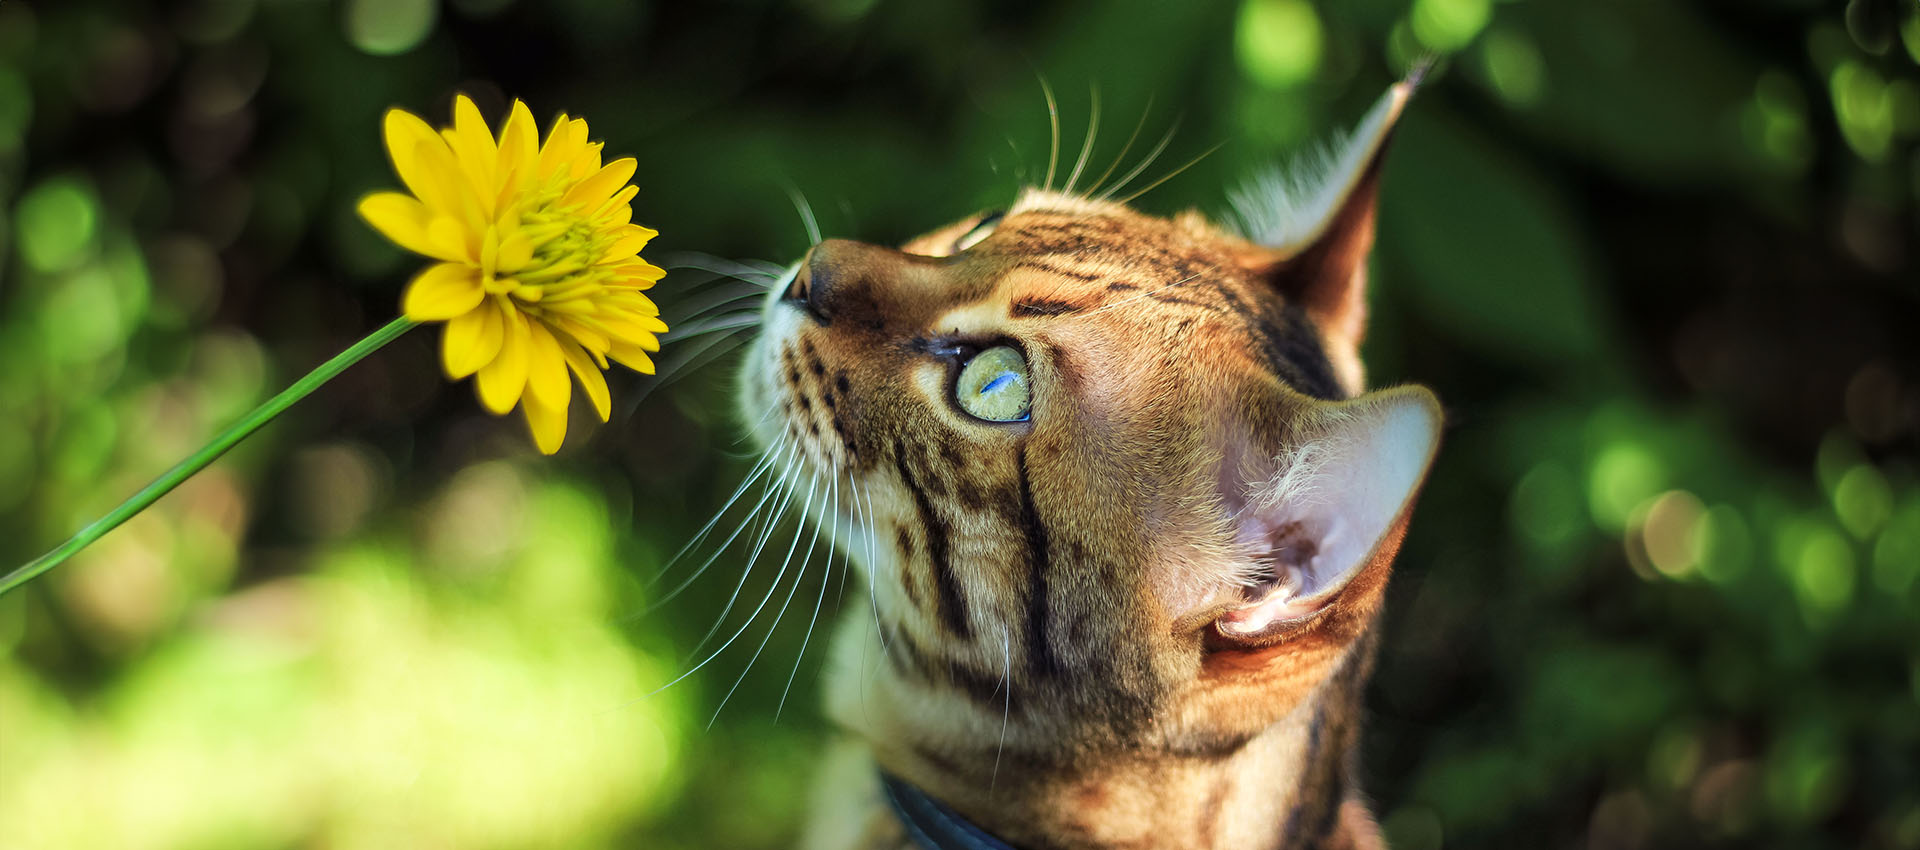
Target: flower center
<point x="551" y="254"/>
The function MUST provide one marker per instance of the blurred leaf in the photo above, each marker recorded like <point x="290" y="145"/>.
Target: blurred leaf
<point x="1486" y="250"/>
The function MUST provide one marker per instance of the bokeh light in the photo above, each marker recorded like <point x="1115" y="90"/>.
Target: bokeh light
<point x="1278" y="41"/>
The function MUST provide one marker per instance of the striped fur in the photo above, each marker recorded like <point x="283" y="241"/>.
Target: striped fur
<point x="1047" y="661"/>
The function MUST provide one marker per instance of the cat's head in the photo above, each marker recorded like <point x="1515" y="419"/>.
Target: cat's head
<point x="1114" y="478"/>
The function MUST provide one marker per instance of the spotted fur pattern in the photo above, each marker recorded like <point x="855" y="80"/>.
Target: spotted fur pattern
<point x="1045" y="592"/>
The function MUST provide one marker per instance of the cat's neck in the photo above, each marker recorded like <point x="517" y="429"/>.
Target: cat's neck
<point x="1286" y="786"/>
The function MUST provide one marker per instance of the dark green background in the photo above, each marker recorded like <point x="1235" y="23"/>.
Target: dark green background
<point x="1657" y="257"/>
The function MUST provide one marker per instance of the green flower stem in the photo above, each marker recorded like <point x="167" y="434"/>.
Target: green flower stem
<point x="207" y="454"/>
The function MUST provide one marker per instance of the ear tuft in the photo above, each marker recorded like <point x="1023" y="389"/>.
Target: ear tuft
<point x="1319" y="222"/>
<point x="1287" y="208"/>
<point x="1319" y="519"/>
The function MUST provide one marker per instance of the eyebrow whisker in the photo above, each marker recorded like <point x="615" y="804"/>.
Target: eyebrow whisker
<point x="1174" y="173"/>
<point x="1151" y="156"/>
<point x="1053" y="122"/>
<point x="1086" y="148"/>
<point x="1122" y="155"/>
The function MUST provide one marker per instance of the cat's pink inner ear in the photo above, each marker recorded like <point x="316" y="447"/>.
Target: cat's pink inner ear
<point x="1318" y="520"/>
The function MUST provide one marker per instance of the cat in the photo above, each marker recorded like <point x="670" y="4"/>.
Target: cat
<point x="1125" y="509"/>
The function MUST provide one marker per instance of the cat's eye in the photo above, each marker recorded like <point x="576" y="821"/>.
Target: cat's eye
<point x="980" y="231"/>
<point x="993" y="386"/>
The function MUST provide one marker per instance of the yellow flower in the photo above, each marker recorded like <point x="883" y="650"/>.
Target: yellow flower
<point x="539" y="272"/>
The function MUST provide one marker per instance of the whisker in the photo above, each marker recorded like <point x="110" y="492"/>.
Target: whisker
<point x="805" y="561"/>
<point x="688" y="280"/>
<point x="717" y="552"/>
<point x="1053" y="122"/>
<point x="805" y="210"/>
<point x="879" y="634"/>
<point x="860" y="515"/>
<point x="750" y="617"/>
<point x="1174" y="173"/>
<point x="714" y="347"/>
<point x="723" y="317"/>
<point x="1151" y="156"/>
<point x="1122" y="156"/>
<point x="833" y="538"/>
<point x="1086" y="147"/>
<point x="870" y="520"/>
<point x="1006" y="708"/>
<point x="710" y="307"/>
<point x="761" y="468"/>
<point x="847" y="559"/>
<point x="1130" y="299"/>
<point x="787" y="488"/>
<point x="854" y="522"/>
<point x="873" y="596"/>
<point x="770" y="269"/>
<point x="738" y="318"/>
<point x="748" y="432"/>
<point x="743" y="270"/>
<point x="691" y="286"/>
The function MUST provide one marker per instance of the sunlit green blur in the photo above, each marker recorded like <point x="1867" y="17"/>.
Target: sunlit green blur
<point x="1660" y="259"/>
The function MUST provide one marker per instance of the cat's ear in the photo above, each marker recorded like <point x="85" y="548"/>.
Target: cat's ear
<point x="1330" y="508"/>
<point x="1317" y="226"/>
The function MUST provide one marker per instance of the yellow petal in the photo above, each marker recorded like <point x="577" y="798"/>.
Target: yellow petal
<point x="602" y="184"/>
<point x="590" y="378"/>
<point x="579" y="157"/>
<point x="407" y="136"/>
<point x="633" y="237"/>
<point x="515" y="252"/>
<point x="510" y="198"/>
<point x="618" y="209"/>
<point x="442" y="291"/>
<point x="639" y="273"/>
<point x="472" y="143"/>
<point x="558" y="148"/>
<point x="632" y="356"/>
<point x="579" y="333"/>
<point x="472" y="340"/>
<point x="630" y="328"/>
<point x="403" y="219"/>
<point x="490" y="251"/>
<point x="638" y="305"/>
<point x="501" y="381"/>
<point x="589" y="160"/>
<point x="546" y="368"/>
<point x="519" y="142"/>
<point x="451" y="238"/>
<point x="548" y="424"/>
<point x="441" y="186"/>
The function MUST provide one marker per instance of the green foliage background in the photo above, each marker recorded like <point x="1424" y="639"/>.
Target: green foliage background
<point x="1658" y="257"/>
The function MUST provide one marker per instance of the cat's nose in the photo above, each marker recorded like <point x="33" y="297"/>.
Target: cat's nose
<point x="823" y="275"/>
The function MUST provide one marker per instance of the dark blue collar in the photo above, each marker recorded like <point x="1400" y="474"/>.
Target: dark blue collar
<point x="932" y="825"/>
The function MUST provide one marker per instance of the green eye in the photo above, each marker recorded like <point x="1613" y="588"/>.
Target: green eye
<point x="993" y="385"/>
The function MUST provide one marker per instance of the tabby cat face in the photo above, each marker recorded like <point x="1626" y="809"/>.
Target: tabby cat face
<point x="1119" y="487"/>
